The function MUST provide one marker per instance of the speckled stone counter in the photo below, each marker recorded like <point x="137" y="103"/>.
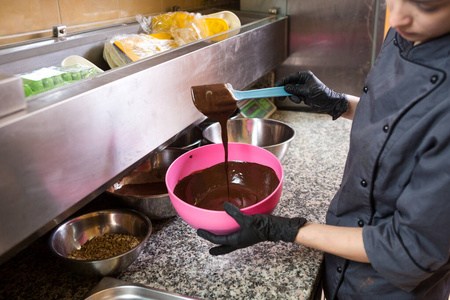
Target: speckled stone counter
<point x="175" y="259"/>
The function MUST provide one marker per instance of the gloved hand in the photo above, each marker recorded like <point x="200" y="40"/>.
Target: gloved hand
<point x="306" y="87"/>
<point x="254" y="229"/>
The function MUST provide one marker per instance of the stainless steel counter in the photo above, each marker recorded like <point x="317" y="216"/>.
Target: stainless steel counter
<point x="70" y="144"/>
<point x="175" y="259"/>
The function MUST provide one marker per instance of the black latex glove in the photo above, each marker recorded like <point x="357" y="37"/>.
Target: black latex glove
<point x="254" y="229"/>
<point x="306" y="87"/>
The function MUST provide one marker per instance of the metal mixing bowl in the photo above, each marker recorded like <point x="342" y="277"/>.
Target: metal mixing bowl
<point x="72" y="234"/>
<point x="188" y="140"/>
<point x="272" y="135"/>
<point x="155" y="206"/>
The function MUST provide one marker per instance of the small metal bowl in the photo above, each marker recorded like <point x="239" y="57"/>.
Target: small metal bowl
<point x="72" y="234"/>
<point x="272" y="135"/>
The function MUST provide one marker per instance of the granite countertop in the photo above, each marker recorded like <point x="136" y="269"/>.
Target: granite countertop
<point x="175" y="259"/>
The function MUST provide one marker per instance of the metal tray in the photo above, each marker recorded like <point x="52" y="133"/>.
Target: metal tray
<point x="111" y="289"/>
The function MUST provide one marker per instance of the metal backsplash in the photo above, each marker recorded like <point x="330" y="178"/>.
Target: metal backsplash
<point x="337" y="40"/>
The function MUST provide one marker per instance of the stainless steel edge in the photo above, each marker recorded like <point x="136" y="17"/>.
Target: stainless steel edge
<point x="112" y="288"/>
<point x="53" y="50"/>
<point x="12" y="97"/>
<point x="73" y="143"/>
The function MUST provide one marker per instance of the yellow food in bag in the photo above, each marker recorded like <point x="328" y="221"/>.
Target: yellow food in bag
<point x="140" y="46"/>
<point x="168" y="31"/>
<point x="162" y="36"/>
<point x="182" y="26"/>
<point x="216" y="26"/>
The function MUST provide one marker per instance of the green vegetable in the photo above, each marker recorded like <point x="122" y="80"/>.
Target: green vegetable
<point x="48" y="83"/>
<point x="46" y="79"/>
<point x="58" y="80"/>
<point x="27" y="90"/>
<point x="67" y="77"/>
<point x="76" y="76"/>
<point x="36" y="86"/>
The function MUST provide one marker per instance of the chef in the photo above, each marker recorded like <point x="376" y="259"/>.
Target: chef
<point x="387" y="232"/>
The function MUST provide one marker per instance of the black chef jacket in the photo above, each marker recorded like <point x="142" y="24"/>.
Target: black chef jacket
<point x="396" y="183"/>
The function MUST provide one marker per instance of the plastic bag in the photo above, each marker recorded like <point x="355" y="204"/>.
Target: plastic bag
<point x="124" y="49"/>
<point x="182" y="26"/>
<point x="162" y="32"/>
<point x="46" y="79"/>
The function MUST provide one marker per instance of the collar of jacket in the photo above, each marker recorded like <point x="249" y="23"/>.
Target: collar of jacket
<point x="432" y="53"/>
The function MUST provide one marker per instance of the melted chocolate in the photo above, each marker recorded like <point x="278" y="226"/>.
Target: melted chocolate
<point x="217" y="102"/>
<point x="248" y="184"/>
<point x="240" y="183"/>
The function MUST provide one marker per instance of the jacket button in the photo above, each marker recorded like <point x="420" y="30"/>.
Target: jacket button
<point x="360" y="223"/>
<point x="365" y="89"/>
<point x="386" y="128"/>
<point x="395" y="42"/>
<point x="339" y="269"/>
<point x="434" y="79"/>
<point x="363" y="183"/>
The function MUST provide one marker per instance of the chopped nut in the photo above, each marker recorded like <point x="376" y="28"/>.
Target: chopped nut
<point x="105" y="246"/>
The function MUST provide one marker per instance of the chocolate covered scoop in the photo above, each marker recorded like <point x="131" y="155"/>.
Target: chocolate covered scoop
<point x="214" y="100"/>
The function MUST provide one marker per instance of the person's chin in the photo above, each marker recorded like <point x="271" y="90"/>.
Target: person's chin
<point x="408" y="35"/>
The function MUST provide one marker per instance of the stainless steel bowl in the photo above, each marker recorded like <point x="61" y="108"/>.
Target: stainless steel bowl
<point x="156" y="203"/>
<point x="187" y="140"/>
<point x="208" y="121"/>
<point x="272" y="135"/>
<point x="156" y="206"/>
<point x="72" y="234"/>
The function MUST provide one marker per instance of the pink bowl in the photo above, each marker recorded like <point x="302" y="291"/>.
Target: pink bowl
<point x="219" y="222"/>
